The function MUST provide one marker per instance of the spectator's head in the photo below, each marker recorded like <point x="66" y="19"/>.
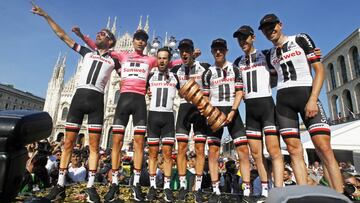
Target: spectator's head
<point x="342" y="165"/>
<point x="350" y="179"/>
<point x="231" y="167"/>
<point x="76" y="158"/>
<point x="316" y="164"/>
<point x="57" y="154"/>
<point x="287" y="174"/>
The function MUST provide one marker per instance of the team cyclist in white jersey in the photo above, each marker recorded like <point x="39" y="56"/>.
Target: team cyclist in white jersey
<point x="260" y="108"/>
<point x="298" y="92"/>
<point x="188" y="115"/>
<point x="88" y="99"/>
<point x="162" y="85"/>
<point x="223" y="85"/>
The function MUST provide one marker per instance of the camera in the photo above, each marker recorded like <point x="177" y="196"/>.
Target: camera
<point x="351" y="190"/>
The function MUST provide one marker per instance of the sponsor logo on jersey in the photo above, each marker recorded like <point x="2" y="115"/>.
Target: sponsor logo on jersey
<point x="162" y="84"/>
<point x="134" y="70"/>
<point x="100" y="58"/>
<point x="286" y="56"/>
<point x="244" y="68"/>
<point x="222" y="80"/>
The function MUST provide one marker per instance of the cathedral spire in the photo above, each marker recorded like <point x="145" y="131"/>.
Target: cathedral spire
<point x="108" y="23"/>
<point x="113" y="29"/>
<point x="62" y="67"/>
<point x="146" y="27"/>
<point x="64" y="60"/>
<point x="140" y="25"/>
<point x="58" y="60"/>
<point x="166" y="39"/>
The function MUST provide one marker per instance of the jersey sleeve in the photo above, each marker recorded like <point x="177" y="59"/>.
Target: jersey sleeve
<point x="175" y="69"/>
<point x="177" y="82"/>
<point x="206" y="82"/>
<point x="239" y="85"/>
<point x="81" y="49"/>
<point x="117" y="66"/>
<point x="271" y="68"/>
<point x="205" y="65"/>
<point x="153" y="62"/>
<point x="308" y="45"/>
<point x="237" y="61"/>
<point x="148" y="80"/>
<point x="90" y="42"/>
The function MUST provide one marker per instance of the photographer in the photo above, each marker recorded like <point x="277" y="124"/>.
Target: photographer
<point x="351" y="186"/>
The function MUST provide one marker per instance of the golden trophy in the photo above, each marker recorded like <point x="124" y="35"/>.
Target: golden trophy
<point x="191" y="92"/>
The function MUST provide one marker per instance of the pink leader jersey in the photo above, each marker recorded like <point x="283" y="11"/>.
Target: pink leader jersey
<point x="135" y="68"/>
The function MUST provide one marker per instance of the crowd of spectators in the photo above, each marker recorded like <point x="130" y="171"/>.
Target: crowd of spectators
<point x="44" y="158"/>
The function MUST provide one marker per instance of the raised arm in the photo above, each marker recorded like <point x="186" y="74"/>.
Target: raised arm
<point x="54" y="26"/>
<point x="89" y="42"/>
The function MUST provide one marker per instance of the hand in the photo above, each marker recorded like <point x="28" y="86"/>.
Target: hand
<point x="317" y="52"/>
<point x="75" y="29"/>
<point x="37" y="10"/>
<point x="230" y="117"/>
<point x="197" y="52"/>
<point x="149" y="94"/>
<point x="201" y="108"/>
<point x="311" y="109"/>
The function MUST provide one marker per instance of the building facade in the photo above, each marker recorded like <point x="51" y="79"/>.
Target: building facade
<point x="14" y="99"/>
<point x="342" y="65"/>
<point x="59" y="94"/>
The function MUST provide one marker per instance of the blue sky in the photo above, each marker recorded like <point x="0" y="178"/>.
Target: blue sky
<point x="30" y="48"/>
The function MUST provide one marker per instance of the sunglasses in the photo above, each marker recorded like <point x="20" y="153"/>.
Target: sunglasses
<point x="103" y="34"/>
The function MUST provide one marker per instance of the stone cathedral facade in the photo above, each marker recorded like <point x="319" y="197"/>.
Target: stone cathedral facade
<point x="60" y="92"/>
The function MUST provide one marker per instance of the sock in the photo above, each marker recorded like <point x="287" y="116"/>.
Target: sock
<point x="62" y="177"/>
<point x="265" y="189"/>
<point x="167" y="182"/>
<point x="114" y="176"/>
<point x="91" y="178"/>
<point x="246" y="188"/>
<point x="136" y="176"/>
<point x="182" y="181"/>
<point x="153" y="180"/>
<point x="198" y="180"/>
<point x="215" y="186"/>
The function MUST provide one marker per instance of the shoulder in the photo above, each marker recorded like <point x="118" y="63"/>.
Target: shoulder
<point x="265" y="52"/>
<point x="204" y="65"/>
<point x="176" y="68"/>
<point x="238" y="59"/>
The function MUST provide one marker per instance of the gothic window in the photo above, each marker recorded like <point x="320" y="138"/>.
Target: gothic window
<point x="64" y="113"/>
<point x="332" y="76"/>
<point x="343" y="69"/>
<point x="356" y="61"/>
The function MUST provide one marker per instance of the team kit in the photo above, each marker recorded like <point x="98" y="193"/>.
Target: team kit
<point x="288" y="66"/>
